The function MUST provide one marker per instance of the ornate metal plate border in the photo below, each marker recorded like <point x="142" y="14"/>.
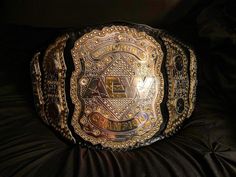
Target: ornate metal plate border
<point x="74" y="89"/>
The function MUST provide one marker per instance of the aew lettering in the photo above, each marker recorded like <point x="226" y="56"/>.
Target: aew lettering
<point x="119" y="87"/>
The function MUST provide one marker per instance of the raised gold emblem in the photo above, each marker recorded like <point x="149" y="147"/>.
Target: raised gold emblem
<point x="117" y="87"/>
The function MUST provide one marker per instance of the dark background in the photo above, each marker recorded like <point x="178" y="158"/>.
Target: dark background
<point x="73" y="13"/>
<point x="204" y="147"/>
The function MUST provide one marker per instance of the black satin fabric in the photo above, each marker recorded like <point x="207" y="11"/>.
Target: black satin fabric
<point x="205" y="146"/>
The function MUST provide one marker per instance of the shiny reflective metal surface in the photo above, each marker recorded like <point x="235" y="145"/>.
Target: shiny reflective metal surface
<point x="117" y="86"/>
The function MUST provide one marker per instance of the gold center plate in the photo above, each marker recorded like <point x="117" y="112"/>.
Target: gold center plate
<point x="117" y="86"/>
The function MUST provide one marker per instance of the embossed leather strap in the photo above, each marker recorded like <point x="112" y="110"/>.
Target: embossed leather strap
<point x="116" y="86"/>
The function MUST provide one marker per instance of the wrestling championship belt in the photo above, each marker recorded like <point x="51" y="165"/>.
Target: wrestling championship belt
<point x="115" y="86"/>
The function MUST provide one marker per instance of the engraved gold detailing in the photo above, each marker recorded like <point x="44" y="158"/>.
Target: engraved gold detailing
<point x="117" y="87"/>
<point x="193" y="82"/>
<point x="37" y="87"/>
<point x="55" y="104"/>
<point x="178" y="84"/>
